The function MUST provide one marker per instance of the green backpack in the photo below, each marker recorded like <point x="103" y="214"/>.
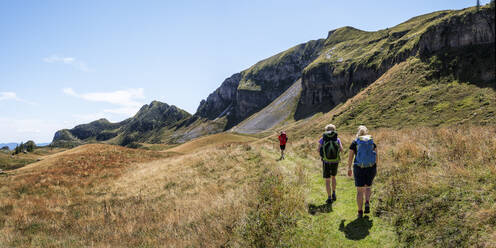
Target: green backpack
<point x="329" y="151"/>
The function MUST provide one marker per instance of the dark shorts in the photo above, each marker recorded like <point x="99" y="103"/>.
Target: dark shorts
<point x="364" y="176"/>
<point x="330" y="169"/>
<point x="283" y="147"/>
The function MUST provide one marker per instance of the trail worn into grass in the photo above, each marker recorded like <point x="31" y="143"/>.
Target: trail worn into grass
<point x="335" y="225"/>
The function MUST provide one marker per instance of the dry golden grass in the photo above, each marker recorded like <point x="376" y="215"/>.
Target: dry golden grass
<point x="439" y="184"/>
<point x="10" y="162"/>
<point x="41" y="202"/>
<point x="435" y="185"/>
<point x="210" y="140"/>
<point x="102" y="195"/>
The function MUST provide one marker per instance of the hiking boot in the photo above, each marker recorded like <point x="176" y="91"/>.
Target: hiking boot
<point x="360" y="213"/>
<point x="334" y="196"/>
<point x="367" y="208"/>
<point x="329" y="200"/>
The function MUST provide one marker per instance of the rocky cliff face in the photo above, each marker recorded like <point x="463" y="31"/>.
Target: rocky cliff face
<point x="471" y="28"/>
<point x="64" y="138"/>
<point x="342" y="71"/>
<point x="220" y="102"/>
<point x="247" y="92"/>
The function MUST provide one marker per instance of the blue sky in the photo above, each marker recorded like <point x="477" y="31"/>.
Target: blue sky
<point x="64" y="63"/>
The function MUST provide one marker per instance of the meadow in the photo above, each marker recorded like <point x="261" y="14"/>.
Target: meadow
<point x="435" y="187"/>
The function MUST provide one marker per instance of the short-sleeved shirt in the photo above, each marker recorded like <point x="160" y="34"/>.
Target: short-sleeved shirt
<point x="321" y="141"/>
<point x="283" y="139"/>
<point x="353" y="147"/>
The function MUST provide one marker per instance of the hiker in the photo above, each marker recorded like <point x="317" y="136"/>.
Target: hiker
<point x="329" y="148"/>
<point x="364" y="150"/>
<point x="283" y="138"/>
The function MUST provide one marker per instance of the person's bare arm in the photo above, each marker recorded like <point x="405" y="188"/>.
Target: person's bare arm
<point x="376" y="156"/>
<point x="351" y="153"/>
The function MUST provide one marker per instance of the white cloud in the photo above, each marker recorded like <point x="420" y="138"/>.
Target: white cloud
<point x="81" y="65"/>
<point x="8" y="96"/>
<point x="17" y="130"/>
<point x="69" y="91"/>
<point x="127" y="100"/>
<point x="121" y="97"/>
<point x="55" y="58"/>
<point x="12" y="96"/>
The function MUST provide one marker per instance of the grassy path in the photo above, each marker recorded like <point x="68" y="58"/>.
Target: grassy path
<point x="334" y="225"/>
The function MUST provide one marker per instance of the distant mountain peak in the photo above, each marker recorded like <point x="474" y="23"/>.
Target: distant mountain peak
<point x="150" y="117"/>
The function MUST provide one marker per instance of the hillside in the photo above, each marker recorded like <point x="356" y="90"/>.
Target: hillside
<point x="249" y="91"/>
<point x="414" y="93"/>
<point x="108" y="195"/>
<point x="425" y="88"/>
<point x="142" y="127"/>
<point x="352" y="59"/>
<point x="235" y="193"/>
<point x="435" y="186"/>
<point x="274" y="114"/>
<point x="8" y="161"/>
<point x="330" y="70"/>
<point x="337" y="68"/>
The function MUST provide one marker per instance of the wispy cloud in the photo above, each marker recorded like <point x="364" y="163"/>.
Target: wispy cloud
<point x="127" y="100"/>
<point x="81" y="65"/>
<point x="12" y="96"/>
<point x="8" y="96"/>
<point x="17" y="130"/>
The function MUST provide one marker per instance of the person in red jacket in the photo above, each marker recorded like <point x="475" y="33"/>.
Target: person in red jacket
<point x="283" y="138"/>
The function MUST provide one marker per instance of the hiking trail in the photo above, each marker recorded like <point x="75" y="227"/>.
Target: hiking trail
<point x="334" y="225"/>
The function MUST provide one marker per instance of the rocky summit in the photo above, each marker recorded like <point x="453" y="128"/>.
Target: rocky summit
<point x="139" y="128"/>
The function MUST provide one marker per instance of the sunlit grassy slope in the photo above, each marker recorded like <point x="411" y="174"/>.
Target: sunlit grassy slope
<point x="208" y="141"/>
<point x="435" y="187"/>
<point x="436" y="184"/>
<point x="417" y="92"/>
<point x="107" y="195"/>
<point x="350" y="47"/>
<point x="8" y="161"/>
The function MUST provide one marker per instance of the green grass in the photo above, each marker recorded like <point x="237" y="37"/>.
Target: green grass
<point x="7" y="163"/>
<point x="349" y="47"/>
<point x="340" y="227"/>
<point x="300" y="53"/>
<point x="435" y="188"/>
<point x="413" y="94"/>
<point x="292" y="210"/>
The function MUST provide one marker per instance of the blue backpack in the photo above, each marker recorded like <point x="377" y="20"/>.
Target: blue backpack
<point x="366" y="155"/>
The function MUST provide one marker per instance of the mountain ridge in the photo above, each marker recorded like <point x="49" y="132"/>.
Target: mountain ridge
<point x="135" y="129"/>
<point x="331" y="70"/>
